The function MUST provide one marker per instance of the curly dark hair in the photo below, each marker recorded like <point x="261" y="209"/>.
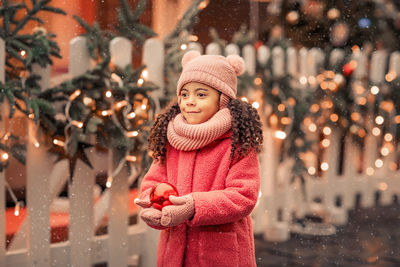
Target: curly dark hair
<point x="246" y="130"/>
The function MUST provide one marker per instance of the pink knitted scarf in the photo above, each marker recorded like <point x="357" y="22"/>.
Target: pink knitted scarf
<point x="184" y="136"/>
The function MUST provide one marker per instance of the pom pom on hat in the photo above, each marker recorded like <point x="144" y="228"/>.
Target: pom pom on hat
<point x="189" y="56"/>
<point x="237" y="63"/>
<point x="216" y="71"/>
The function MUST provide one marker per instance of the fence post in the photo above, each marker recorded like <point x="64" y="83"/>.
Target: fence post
<point x="153" y="58"/>
<point x="81" y="190"/>
<point x="2" y="176"/>
<point x="118" y="208"/>
<point x="213" y="49"/>
<point x="249" y="56"/>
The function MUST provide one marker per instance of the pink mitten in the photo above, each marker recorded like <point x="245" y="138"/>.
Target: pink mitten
<point x="181" y="210"/>
<point x="151" y="216"/>
<point x="145" y="201"/>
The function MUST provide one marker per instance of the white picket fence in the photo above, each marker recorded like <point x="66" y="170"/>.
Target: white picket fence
<point x="126" y="245"/>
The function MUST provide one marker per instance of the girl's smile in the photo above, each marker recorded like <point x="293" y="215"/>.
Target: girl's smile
<point x="198" y="102"/>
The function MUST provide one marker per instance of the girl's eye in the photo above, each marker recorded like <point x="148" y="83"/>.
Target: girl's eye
<point x="184" y="94"/>
<point x="201" y="95"/>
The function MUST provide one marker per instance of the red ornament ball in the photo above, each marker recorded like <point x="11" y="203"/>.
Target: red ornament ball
<point x="159" y="195"/>
<point x="348" y="68"/>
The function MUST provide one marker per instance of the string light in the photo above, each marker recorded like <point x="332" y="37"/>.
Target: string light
<point x="5" y="156"/>
<point x="74" y="95"/>
<point x="145" y="74"/>
<point x="36" y="144"/>
<point x="379" y="120"/>
<point x="78" y="124"/>
<point x="312" y="127"/>
<point x="326" y="142"/>
<point x="378" y="163"/>
<point x="131" y="158"/>
<point x="383" y="186"/>
<point x="257" y="81"/>
<point x="244" y="99"/>
<point x="324" y="166"/>
<point x="31" y="116"/>
<point x="286" y="120"/>
<point x="374" y="90"/>
<point x="106" y="112"/>
<point x="384" y="151"/>
<point x="256" y="105"/>
<point x="140" y="82"/>
<point x="184" y="46"/>
<point x="17" y="209"/>
<point x="131" y="115"/>
<point x="303" y="80"/>
<point x="203" y="4"/>
<point x="311" y="170"/>
<point x="121" y="104"/>
<point x="397" y="119"/>
<point x="109" y="181"/>
<point x="58" y="142"/>
<point x="108" y="94"/>
<point x="280" y="134"/>
<point x="281" y="107"/>
<point x="143" y="106"/>
<point x="388" y="137"/>
<point x="376" y="131"/>
<point x="88" y="101"/>
<point x="390" y="76"/>
<point x="132" y="134"/>
<point x="327" y="130"/>
<point x="334" y="117"/>
<point x="369" y="171"/>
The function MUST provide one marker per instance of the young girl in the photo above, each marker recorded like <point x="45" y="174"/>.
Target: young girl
<point x="206" y="145"/>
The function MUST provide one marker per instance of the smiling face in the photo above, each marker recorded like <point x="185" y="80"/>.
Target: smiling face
<point x="198" y="102"/>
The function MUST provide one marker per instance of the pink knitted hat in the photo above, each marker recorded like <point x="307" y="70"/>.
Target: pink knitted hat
<point x="218" y="72"/>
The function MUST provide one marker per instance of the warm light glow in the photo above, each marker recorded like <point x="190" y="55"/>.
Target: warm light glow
<point x="397" y="119"/>
<point x="327" y="130"/>
<point x="361" y="100"/>
<point x="361" y="133"/>
<point x="275" y="91"/>
<point x="376" y="131"/>
<point x="145" y="74"/>
<point x="332" y="86"/>
<point x="58" y="142"/>
<point x="143" y="106"/>
<point x="121" y="104"/>
<point x="312" y="127"/>
<point x="256" y="105"/>
<point x="131" y="115"/>
<point x="132" y="134"/>
<point x="114" y="77"/>
<point x="324" y="166"/>
<point x="108" y="94"/>
<point x="378" y="163"/>
<point x="383" y="186"/>
<point x="311" y="170"/>
<point x="78" y="124"/>
<point x="193" y="38"/>
<point x="109" y="181"/>
<point x="325" y="143"/>
<point x="36" y="144"/>
<point x="31" y="116"/>
<point x="281" y="107"/>
<point x="184" y="46"/>
<point x="326" y="104"/>
<point x="369" y="171"/>
<point x="106" y="112"/>
<point x="5" y="156"/>
<point x="379" y="120"/>
<point x="292" y="101"/>
<point x="324" y="85"/>
<point x="374" y="90"/>
<point x="130" y="158"/>
<point x="280" y="135"/>
<point x="140" y="82"/>
<point x="244" y="99"/>
<point x="388" y="137"/>
<point x="203" y="4"/>
<point x="74" y="95"/>
<point x="358" y="89"/>
<point x="273" y="120"/>
<point x="88" y="101"/>
<point x="17" y="209"/>
<point x="23" y="53"/>
<point x="312" y="80"/>
<point x="355" y="116"/>
<point x="384" y="151"/>
<point x="303" y="80"/>
<point x="390" y="76"/>
<point x="334" y="117"/>
<point x="257" y="81"/>
<point x="286" y="120"/>
<point x="393" y="166"/>
<point x="314" y="108"/>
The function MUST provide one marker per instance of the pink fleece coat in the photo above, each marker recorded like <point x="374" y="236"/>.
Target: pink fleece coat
<point x="224" y="192"/>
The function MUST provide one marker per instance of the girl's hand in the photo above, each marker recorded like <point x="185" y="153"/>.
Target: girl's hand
<point x="151" y="216"/>
<point x="181" y="210"/>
